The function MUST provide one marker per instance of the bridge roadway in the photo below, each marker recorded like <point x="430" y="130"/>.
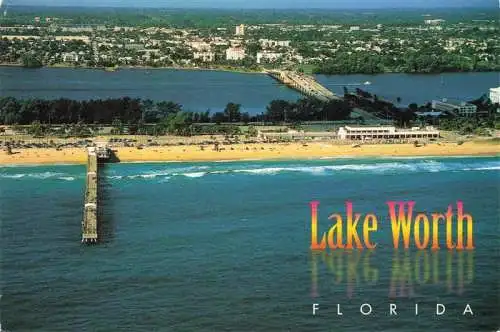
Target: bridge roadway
<point x="305" y="84"/>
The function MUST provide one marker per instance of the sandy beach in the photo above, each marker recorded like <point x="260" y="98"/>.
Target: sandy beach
<point x="252" y="151"/>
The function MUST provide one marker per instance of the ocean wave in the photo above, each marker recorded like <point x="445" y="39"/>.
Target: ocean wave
<point x="388" y="167"/>
<point x="492" y="168"/>
<point x="12" y="176"/>
<point x="431" y="166"/>
<point x="40" y="176"/>
<point x="194" y="175"/>
<point x="66" y="178"/>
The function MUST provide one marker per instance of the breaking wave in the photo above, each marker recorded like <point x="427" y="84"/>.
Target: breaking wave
<point x="67" y="178"/>
<point x="421" y="166"/>
<point x="270" y="169"/>
<point x="40" y="176"/>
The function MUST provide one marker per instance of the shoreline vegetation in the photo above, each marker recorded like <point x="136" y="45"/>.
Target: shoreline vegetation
<point x="244" y="70"/>
<point x="58" y="131"/>
<point x="117" y="68"/>
<point x="254" y="151"/>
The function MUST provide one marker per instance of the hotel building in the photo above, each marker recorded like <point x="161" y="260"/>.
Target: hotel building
<point x="456" y="108"/>
<point x="235" y="53"/>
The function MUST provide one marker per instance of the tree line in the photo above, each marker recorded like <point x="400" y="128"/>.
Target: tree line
<point x="167" y="116"/>
<point x="366" y="63"/>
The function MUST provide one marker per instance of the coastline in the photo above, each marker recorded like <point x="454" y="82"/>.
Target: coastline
<point x="247" y="152"/>
<point x="241" y="70"/>
<point x="222" y="68"/>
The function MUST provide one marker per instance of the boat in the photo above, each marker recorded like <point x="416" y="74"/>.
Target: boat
<point x="367" y="83"/>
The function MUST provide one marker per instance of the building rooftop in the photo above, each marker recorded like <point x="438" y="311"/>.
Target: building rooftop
<point x="452" y="102"/>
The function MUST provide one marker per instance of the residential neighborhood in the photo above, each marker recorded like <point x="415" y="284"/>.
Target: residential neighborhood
<point x="432" y="45"/>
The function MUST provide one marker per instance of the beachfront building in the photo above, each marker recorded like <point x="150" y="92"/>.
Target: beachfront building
<point x="495" y="95"/>
<point x="235" y="53"/>
<point x="205" y="56"/>
<point x="294" y="135"/>
<point x="459" y="108"/>
<point x="70" y="57"/>
<point x="385" y="132"/>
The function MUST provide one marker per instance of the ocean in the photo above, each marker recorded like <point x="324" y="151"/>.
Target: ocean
<point x="225" y="246"/>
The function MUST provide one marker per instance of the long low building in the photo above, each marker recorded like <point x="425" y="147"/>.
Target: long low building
<point x="298" y="135"/>
<point x="383" y="132"/>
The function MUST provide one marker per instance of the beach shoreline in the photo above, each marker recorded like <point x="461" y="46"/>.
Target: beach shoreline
<point x="251" y="152"/>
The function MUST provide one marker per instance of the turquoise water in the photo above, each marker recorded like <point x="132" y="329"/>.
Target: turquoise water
<point x="225" y="246"/>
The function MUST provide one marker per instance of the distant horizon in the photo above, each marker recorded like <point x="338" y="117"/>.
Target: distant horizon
<point x="424" y="10"/>
<point x="261" y="4"/>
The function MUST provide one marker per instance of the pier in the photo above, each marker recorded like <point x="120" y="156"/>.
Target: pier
<point x="305" y="84"/>
<point x="90" y="216"/>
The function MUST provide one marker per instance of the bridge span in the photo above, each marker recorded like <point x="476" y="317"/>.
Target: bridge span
<point x="305" y="84"/>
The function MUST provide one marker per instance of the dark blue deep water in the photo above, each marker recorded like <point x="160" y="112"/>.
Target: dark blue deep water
<point x="225" y="246"/>
<point x="202" y="90"/>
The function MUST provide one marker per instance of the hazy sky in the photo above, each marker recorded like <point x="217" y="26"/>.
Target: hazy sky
<point x="263" y="3"/>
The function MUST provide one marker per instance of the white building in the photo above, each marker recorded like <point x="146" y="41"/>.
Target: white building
<point x="199" y="45"/>
<point x="240" y="30"/>
<point x="268" y="43"/>
<point x="460" y="108"/>
<point x="297" y="135"/>
<point x="495" y="95"/>
<point x="433" y="22"/>
<point x="70" y="57"/>
<point x="204" y="56"/>
<point x="268" y="56"/>
<point x="383" y="132"/>
<point x="235" y="53"/>
<point x="354" y="28"/>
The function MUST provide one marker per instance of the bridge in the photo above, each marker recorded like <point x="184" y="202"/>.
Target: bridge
<point x="305" y="84"/>
<point x="90" y="216"/>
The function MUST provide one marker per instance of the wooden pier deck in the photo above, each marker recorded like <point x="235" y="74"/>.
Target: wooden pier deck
<point x="89" y="225"/>
<point x="304" y="84"/>
<point x="90" y="217"/>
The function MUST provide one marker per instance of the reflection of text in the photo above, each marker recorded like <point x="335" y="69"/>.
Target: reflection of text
<point x="408" y="271"/>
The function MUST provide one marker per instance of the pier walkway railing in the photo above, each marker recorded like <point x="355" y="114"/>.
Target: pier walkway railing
<point x="90" y="216"/>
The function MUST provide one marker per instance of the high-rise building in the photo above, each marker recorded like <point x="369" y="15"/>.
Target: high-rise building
<point x="240" y="30"/>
